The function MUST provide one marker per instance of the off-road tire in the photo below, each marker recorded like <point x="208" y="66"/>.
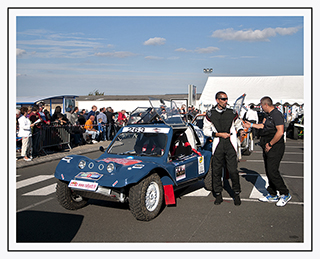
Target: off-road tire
<point x="150" y="187"/>
<point x="208" y="184"/>
<point x="67" y="198"/>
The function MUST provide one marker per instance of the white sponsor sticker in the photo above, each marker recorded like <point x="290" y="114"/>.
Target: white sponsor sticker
<point x="135" y="129"/>
<point x="181" y="172"/>
<point x="88" y="186"/>
<point x="201" y="164"/>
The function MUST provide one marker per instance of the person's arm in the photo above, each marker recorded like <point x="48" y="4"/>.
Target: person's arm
<point x="276" y="138"/>
<point x="248" y="124"/>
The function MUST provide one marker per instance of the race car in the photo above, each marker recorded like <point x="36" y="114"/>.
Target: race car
<point x="156" y="154"/>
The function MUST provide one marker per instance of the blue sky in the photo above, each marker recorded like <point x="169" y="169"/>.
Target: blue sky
<point x="150" y="55"/>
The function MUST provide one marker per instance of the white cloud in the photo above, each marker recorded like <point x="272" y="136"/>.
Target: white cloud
<point x="218" y="56"/>
<point x="183" y="50"/>
<point x="20" y="52"/>
<point x="155" y="41"/>
<point x="253" y="35"/>
<point x="116" y="54"/>
<point x="153" y="57"/>
<point x="173" y="58"/>
<point x="68" y="43"/>
<point x="199" y="50"/>
<point x="206" y="50"/>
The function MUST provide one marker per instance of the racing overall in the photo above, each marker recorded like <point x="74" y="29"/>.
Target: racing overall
<point x="273" y="158"/>
<point x="223" y="150"/>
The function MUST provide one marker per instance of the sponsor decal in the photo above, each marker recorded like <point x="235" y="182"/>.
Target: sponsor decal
<point x="138" y="166"/>
<point x="146" y="130"/>
<point x="122" y="161"/>
<point x="115" y="183"/>
<point x="89" y="175"/>
<point x="201" y="165"/>
<point x="83" y="185"/>
<point x="181" y="172"/>
<point x="67" y="158"/>
<point x="62" y="176"/>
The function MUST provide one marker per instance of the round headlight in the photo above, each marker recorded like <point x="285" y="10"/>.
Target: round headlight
<point x="82" y="164"/>
<point x="110" y="167"/>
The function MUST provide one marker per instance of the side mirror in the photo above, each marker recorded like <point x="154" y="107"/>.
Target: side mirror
<point x="101" y="148"/>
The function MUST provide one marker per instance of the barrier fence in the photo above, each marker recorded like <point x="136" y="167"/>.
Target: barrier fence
<point x="56" y="135"/>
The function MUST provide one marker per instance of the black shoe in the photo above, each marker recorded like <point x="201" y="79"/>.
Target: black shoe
<point x="237" y="200"/>
<point x="219" y="199"/>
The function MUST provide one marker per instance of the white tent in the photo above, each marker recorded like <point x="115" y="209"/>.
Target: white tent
<point x="281" y="89"/>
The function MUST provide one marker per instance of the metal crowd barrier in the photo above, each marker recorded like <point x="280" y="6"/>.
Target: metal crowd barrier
<point x="54" y="136"/>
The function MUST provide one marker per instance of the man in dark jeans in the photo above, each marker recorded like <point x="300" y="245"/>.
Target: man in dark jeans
<point x="110" y="120"/>
<point x="272" y="143"/>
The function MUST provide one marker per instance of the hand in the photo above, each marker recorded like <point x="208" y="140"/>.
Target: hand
<point x="247" y="124"/>
<point x="267" y="147"/>
<point x="224" y="135"/>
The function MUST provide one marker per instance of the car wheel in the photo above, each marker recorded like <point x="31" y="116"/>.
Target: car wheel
<point x="146" y="198"/>
<point x="68" y="198"/>
<point x="208" y="185"/>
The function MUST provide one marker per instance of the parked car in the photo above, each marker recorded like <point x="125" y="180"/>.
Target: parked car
<point x="156" y="154"/>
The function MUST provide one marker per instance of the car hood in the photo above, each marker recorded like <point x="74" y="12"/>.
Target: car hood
<point x="127" y="170"/>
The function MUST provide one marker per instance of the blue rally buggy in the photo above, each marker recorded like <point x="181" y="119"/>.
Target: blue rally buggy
<point x="147" y="161"/>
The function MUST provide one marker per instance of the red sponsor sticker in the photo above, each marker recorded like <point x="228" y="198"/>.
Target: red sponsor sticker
<point x="83" y="185"/>
<point x="121" y="161"/>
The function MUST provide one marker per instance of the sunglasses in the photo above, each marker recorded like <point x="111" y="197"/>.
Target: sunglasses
<point x="223" y="99"/>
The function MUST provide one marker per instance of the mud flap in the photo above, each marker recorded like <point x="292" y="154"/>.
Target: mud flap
<point x="169" y="195"/>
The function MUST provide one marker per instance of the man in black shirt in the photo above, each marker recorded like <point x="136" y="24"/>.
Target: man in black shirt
<point x="272" y="143"/>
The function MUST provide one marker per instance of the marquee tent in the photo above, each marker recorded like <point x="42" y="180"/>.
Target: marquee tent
<point x="281" y="89"/>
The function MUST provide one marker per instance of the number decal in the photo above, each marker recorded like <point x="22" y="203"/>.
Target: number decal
<point x="136" y="129"/>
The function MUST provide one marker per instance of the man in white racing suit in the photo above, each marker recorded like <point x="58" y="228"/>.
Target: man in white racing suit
<point x="222" y="124"/>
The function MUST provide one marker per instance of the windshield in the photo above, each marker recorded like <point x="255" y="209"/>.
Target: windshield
<point x="142" y="116"/>
<point x="238" y="104"/>
<point x="168" y="111"/>
<point x="139" y="143"/>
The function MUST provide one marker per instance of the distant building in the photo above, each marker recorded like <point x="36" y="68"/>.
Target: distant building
<point x="127" y="102"/>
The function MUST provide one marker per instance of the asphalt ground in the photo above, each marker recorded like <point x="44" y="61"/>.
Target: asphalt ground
<point x="194" y="223"/>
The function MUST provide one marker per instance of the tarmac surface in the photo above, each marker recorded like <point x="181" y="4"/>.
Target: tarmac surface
<point x="194" y="223"/>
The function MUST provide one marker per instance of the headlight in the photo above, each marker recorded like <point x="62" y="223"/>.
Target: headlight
<point x="82" y="164"/>
<point x="110" y="167"/>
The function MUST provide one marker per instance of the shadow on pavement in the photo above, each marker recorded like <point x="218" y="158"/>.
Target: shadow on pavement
<point x="40" y="226"/>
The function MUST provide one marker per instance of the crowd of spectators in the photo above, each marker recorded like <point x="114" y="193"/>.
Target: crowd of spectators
<point x="84" y="127"/>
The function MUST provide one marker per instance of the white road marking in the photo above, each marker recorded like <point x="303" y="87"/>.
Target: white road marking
<point x="260" y="187"/>
<point x="35" y="204"/>
<point x="286" y="153"/>
<point x="200" y="193"/>
<point x="282" y="162"/>
<point x="33" y="180"/>
<point x="256" y="200"/>
<point x="42" y="191"/>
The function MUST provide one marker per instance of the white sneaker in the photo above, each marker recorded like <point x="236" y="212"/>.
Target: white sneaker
<point x="269" y="198"/>
<point x="283" y="200"/>
<point x="94" y="141"/>
<point x="27" y="159"/>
